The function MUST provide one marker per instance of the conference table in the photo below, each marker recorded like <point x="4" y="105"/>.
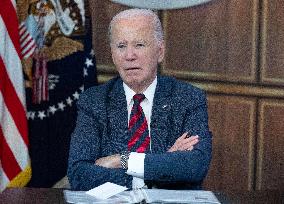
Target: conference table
<point x="55" y="196"/>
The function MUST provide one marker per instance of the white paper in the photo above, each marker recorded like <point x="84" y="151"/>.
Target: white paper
<point x="80" y="197"/>
<point x="148" y="195"/>
<point x="106" y="190"/>
<point x="175" y="196"/>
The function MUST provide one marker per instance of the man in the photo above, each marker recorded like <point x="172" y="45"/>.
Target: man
<point x="140" y="128"/>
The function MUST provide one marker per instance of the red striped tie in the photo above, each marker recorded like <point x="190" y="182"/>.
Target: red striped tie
<point x="138" y="127"/>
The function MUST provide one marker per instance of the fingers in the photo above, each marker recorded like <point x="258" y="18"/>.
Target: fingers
<point x="101" y="162"/>
<point x="112" y="161"/>
<point x="184" y="143"/>
<point x="184" y="135"/>
<point x="177" y="143"/>
<point x="104" y="162"/>
<point x="188" y="143"/>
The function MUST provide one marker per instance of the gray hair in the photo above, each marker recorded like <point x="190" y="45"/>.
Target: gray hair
<point x="129" y="13"/>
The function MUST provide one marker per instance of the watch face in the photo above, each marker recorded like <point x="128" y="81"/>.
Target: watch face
<point x="124" y="159"/>
<point x="161" y="4"/>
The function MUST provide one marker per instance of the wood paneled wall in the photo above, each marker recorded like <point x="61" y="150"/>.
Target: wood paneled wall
<point x="232" y="122"/>
<point x="233" y="50"/>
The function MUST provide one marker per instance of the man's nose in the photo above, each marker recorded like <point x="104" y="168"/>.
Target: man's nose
<point x="130" y="54"/>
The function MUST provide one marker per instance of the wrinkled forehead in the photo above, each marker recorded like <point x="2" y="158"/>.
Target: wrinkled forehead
<point x="134" y="20"/>
<point x="127" y="27"/>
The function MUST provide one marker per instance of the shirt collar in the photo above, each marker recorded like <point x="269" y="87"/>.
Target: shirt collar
<point x="149" y="92"/>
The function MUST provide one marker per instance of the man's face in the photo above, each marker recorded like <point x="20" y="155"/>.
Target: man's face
<point x="135" y="51"/>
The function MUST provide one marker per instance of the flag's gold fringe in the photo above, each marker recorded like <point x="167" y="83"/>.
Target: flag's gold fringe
<point x="22" y="178"/>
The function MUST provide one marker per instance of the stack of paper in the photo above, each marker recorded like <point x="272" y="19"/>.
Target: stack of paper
<point x="112" y="193"/>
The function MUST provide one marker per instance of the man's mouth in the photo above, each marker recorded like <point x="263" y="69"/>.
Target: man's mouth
<point x="132" y="68"/>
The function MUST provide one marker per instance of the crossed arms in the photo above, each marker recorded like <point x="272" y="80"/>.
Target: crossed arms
<point x="187" y="159"/>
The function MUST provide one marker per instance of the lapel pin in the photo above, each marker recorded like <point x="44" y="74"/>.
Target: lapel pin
<point x="165" y="106"/>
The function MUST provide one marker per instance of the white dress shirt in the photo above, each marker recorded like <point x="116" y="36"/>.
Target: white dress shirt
<point x="136" y="160"/>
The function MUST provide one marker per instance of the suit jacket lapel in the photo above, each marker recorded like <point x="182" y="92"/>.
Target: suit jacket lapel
<point x="161" y="113"/>
<point x="117" y="115"/>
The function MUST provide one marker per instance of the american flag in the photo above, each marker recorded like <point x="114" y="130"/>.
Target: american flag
<point x="15" y="168"/>
<point x="27" y="42"/>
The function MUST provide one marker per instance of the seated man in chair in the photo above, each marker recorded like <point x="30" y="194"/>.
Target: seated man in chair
<point x="140" y="129"/>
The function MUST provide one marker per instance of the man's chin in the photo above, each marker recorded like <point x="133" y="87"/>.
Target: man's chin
<point x="135" y="83"/>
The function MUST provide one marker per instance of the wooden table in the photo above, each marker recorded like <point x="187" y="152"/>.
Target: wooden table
<point x="32" y="196"/>
<point x="55" y="196"/>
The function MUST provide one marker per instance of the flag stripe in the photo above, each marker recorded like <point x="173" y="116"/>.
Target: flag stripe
<point x="12" y="102"/>
<point x="27" y="42"/>
<point x="22" y="28"/>
<point x="29" y="52"/>
<point x="12" y="61"/>
<point x="12" y="136"/>
<point x="3" y="178"/>
<point x="14" y="155"/>
<point x="26" y="48"/>
<point x="9" y="16"/>
<point x="25" y="38"/>
<point x="8" y="161"/>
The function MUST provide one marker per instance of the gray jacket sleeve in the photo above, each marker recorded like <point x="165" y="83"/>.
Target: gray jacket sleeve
<point x="85" y="149"/>
<point x="184" y="166"/>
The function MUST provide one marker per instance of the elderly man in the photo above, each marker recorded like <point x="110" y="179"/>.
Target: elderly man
<point x="140" y="128"/>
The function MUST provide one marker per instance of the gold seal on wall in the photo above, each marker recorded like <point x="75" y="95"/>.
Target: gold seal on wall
<point x="60" y="21"/>
<point x="63" y="20"/>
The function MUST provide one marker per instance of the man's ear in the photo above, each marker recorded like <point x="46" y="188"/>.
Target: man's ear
<point x="161" y="51"/>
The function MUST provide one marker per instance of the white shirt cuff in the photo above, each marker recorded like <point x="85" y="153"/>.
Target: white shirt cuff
<point x="136" y="165"/>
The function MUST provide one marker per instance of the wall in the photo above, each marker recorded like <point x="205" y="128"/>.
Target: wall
<point x="234" y="50"/>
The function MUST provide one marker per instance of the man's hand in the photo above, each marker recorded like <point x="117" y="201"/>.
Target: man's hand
<point x="184" y="143"/>
<point x="112" y="161"/>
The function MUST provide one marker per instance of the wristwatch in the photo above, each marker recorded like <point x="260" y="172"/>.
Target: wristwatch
<point x="124" y="156"/>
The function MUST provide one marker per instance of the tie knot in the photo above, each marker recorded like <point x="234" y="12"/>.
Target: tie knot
<point x="138" y="98"/>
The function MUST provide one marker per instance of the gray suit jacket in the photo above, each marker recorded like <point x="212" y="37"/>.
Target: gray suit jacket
<point x="101" y="130"/>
